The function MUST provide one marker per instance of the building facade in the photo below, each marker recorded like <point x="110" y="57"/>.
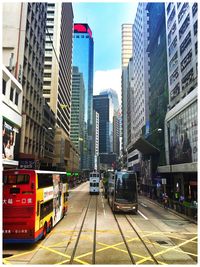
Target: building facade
<point x="23" y="53"/>
<point x="83" y="54"/>
<point x="96" y="139"/>
<point x="139" y="86"/>
<point x="11" y="119"/>
<point x="126" y="54"/>
<point x="77" y="112"/>
<point x="104" y="106"/>
<point x="57" y="88"/>
<point x="181" y="133"/>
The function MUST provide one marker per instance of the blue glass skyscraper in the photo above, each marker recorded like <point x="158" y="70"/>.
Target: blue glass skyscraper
<point x="83" y="54"/>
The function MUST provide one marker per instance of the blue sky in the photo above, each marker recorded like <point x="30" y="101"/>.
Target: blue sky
<point x="105" y="20"/>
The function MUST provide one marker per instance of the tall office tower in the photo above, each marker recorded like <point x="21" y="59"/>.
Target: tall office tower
<point x="126" y="54"/>
<point x="139" y="84"/>
<point x="181" y="131"/>
<point x="116" y="119"/>
<point x="77" y="112"/>
<point x="57" y="76"/>
<point x="83" y="58"/>
<point x="140" y="109"/>
<point x="23" y="53"/>
<point x="158" y="78"/>
<point x="104" y="106"/>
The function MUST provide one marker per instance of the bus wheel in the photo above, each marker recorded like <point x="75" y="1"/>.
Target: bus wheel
<point x="44" y="230"/>
<point x="50" y="225"/>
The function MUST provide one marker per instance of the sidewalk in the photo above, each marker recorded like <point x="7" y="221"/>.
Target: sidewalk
<point x="193" y="220"/>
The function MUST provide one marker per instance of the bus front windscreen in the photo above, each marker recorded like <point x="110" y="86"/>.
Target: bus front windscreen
<point x="126" y="188"/>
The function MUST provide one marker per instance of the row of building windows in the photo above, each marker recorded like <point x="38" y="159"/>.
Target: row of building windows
<point x="13" y="95"/>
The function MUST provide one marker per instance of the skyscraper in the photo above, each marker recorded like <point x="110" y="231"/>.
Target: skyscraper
<point x="83" y="59"/>
<point x="126" y="54"/>
<point x="57" y="87"/>
<point x="104" y="106"/>
<point x="77" y="112"/>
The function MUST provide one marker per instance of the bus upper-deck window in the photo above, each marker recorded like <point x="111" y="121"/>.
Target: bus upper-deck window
<point x="45" y="180"/>
<point x="16" y="179"/>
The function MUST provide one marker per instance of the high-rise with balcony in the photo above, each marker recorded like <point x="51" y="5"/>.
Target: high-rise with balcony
<point x="83" y="59"/>
<point x="23" y="53"/>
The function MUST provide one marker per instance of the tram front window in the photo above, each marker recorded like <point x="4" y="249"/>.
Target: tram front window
<point x="126" y="189"/>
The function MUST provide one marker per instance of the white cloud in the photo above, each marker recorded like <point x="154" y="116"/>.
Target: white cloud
<point x="107" y="79"/>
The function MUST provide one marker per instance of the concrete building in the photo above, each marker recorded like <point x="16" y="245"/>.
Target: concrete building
<point x="181" y="121"/>
<point x="23" y="53"/>
<point x="104" y="106"/>
<point x="126" y="54"/>
<point x="11" y="119"/>
<point x="77" y="112"/>
<point x="139" y="83"/>
<point x="83" y="54"/>
<point x="57" y="88"/>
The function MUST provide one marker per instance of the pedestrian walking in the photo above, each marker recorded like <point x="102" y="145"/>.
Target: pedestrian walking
<point x="165" y="200"/>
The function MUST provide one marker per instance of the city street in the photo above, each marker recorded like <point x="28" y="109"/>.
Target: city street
<point x="90" y="234"/>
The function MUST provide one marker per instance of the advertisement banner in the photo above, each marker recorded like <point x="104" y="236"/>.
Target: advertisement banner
<point x="183" y="136"/>
<point x="9" y="138"/>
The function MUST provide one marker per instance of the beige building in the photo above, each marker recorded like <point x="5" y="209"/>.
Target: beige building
<point x="23" y="54"/>
<point x="57" y="87"/>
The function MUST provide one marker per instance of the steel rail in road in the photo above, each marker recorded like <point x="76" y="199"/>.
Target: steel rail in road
<point x="150" y="253"/>
<point x="80" y="231"/>
<point x="124" y="239"/>
<point x="95" y="230"/>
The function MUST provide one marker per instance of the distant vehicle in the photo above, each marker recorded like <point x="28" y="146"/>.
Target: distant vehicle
<point x="122" y="191"/>
<point x="33" y="202"/>
<point x="94" y="179"/>
<point x="105" y="179"/>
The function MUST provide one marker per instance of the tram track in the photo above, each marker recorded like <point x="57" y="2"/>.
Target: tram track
<point x="80" y="231"/>
<point x="122" y="228"/>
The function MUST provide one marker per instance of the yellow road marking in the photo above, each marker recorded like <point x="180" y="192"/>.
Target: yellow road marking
<point x="171" y="248"/>
<point x="6" y="262"/>
<point x="62" y="254"/>
<point x="21" y="254"/>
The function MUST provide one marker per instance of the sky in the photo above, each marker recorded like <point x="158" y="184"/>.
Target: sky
<point x="105" y="20"/>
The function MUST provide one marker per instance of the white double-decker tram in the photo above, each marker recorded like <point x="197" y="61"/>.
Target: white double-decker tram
<point x="94" y="182"/>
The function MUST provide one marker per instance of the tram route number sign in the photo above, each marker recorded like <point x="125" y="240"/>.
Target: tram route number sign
<point x="164" y="181"/>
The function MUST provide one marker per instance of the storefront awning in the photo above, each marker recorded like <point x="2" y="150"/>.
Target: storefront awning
<point x="144" y="147"/>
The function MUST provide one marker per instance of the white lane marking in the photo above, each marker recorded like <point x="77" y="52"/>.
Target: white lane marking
<point x="143" y="215"/>
<point x="144" y="205"/>
<point x="104" y="212"/>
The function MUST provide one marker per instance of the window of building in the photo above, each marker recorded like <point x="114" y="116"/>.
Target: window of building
<point x="184" y="26"/>
<point x="175" y="92"/>
<point x="11" y="93"/>
<point x="4" y="87"/>
<point x="194" y="9"/>
<point x="188" y="78"/>
<point x="173" y="62"/>
<point x="195" y="26"/>
<point x="173" y="46"/>
<point x="182" y="11"/>
<point x="171" y="18"/>
<point x="196" y="48"/>
<point x="47" y="83"/>
<point x="16" y="98"/>
<point x="187" y="59"/>
<point x="185" y="43"/>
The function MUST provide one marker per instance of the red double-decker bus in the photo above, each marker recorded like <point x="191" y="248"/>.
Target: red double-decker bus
<point x="33" y="202"/>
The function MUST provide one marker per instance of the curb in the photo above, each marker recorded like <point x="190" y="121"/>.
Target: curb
<point x="173" y="211"/>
